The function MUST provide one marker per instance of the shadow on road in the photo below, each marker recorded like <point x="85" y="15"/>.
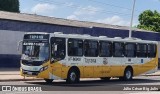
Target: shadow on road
<point x="93" y="83"/>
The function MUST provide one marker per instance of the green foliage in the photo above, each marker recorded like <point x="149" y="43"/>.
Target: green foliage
<point x="9" y="5"/>
<point x="149" y="20"/>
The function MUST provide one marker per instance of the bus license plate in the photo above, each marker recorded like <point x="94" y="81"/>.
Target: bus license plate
<point x="29" y="73"/>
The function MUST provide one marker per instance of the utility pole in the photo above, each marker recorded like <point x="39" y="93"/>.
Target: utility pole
<point x="130" y="30"/>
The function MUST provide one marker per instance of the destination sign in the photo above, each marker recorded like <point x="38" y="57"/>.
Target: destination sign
<point x="37" y="44"/>
<point x="36" y="36"/>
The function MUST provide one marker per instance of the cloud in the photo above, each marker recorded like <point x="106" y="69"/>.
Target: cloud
<point x="69" y="4"/>
<point x="156" y="0"/>
<point x="73" y="17"/>
<point x="43" y="8"/>
<point x="114" y="20"/>
<point x="82" y="12"/>
<point x="89" y="10"/>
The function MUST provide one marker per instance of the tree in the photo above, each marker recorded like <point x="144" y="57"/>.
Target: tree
<point x="149" y="20"/>
<point x="9" y="5"/>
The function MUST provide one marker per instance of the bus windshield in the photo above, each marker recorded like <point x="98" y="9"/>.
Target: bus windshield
<point x="35" y="51"/>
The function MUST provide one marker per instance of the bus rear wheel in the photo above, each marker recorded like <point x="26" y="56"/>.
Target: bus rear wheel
<point x="73" y="77"/>
<point x="128" y="74"/>
<point x="48" y="80"/>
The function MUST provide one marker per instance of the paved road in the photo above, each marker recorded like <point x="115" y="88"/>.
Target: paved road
<point x="139" y="84"/>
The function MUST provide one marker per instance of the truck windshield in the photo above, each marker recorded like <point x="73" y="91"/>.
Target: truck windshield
<point x="35" y="51"/>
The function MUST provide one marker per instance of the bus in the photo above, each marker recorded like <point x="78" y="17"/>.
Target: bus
<point x="53" y="56"/>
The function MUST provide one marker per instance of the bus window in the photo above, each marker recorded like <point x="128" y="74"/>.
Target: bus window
<point x="118" y="48"/>
<point x="152" y="50"/>
<point x="58" y="53"/>
<point x="105" y="49"/>
<point x="75" y="47"/>
<point x="90" y="48"/>
<point x="130" y="50"/>
<point x="141" y="50"/>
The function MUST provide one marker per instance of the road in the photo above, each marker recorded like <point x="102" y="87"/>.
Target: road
<point x="138" y="84"/>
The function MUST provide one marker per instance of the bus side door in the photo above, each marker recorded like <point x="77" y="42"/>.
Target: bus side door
<point x="58" y="53"/>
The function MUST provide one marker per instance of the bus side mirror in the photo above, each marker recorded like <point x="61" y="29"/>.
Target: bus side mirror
<point x="55" y="47"/>
<point x="52" y="60"/>
<point x="19" y="43"/>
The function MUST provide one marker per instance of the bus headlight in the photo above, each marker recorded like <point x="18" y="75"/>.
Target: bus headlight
<point x="44" y="68"/>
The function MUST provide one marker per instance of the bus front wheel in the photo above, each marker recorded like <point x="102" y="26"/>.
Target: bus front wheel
<point x="73" y="76"/>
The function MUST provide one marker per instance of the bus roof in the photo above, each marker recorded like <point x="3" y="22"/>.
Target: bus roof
<point x="86" y="36"/>
<point x="36" y="33"/>
<point x="105" y="38"/>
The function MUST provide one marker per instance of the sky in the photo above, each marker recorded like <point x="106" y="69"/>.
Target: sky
<point x="115" y="12"/>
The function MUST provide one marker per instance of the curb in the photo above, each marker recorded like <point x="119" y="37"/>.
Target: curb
<point x="4" y="80"/>
<point x="9" y="74"/>
<point x="152" y="75"/>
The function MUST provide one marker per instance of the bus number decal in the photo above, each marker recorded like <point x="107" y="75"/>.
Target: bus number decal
<point x="90" y="60"/>
<point x="74" y="59"/>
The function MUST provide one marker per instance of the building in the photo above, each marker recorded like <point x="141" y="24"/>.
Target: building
<point x="14" y="25"/>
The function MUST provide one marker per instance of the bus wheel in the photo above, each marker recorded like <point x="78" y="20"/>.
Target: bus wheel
<point x="128" y="74"/>
<point x="105" y="78"/>
<point x="48" y="80"/>
<point x="73" y="77"/>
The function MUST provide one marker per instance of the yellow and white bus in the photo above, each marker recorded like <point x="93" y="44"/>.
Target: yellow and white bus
<point x="70" y="57"/>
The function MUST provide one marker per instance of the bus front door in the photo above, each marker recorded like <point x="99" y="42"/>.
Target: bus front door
<point x="58" y="54"/>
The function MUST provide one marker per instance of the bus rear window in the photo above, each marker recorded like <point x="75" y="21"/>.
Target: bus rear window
<point x="130" y="50"/>
<point x="152" y="50"/>
<point x="141" y="50"/>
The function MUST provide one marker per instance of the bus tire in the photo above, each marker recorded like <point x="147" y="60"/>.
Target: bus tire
<point x="48" y="80"/>
<point x="128" y="74"/>
<point x="105" y="78"/>
<point x="73" y="76"/>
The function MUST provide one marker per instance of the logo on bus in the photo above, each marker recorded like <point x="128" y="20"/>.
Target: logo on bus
<point x="105" y="61"/>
